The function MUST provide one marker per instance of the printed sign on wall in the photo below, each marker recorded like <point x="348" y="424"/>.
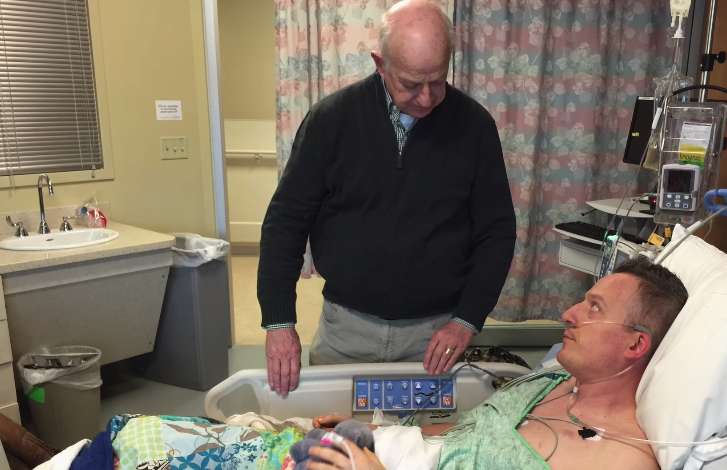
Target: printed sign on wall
<point x="169" y="110"/>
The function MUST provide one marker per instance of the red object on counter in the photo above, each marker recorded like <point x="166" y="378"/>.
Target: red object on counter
<point x="96" y="219"/>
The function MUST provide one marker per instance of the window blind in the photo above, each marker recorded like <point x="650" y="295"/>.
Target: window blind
<point x="48" y="114"/>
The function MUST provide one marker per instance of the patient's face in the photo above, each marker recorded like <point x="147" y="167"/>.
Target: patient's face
<point x="592" y="351"/>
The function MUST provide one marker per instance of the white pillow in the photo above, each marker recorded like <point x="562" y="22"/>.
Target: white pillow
<point x="683" y="394"/>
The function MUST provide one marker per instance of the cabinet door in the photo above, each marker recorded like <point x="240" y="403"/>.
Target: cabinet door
<point x="7" y="385"/>
<point x="6" y="354"/>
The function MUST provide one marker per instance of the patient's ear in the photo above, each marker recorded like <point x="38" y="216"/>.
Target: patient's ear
<point x="640" y="347"/>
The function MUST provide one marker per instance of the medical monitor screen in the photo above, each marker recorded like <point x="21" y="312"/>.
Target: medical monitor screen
<point x="640" y="130"/>
<point x="679" y="181"/>
<point x="621" y="257"/>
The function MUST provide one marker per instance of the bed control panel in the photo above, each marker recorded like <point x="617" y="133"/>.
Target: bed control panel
<point x="403" y="394"/>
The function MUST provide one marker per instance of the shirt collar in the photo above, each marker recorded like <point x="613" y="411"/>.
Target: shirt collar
<point x="394" y="112"/>
<point x="390" y="105"/>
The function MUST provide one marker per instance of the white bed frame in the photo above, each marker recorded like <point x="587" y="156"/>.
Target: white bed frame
<point x="330" y="389"/>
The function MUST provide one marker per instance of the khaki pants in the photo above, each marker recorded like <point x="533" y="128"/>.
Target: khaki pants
<point x="346" y="336"/>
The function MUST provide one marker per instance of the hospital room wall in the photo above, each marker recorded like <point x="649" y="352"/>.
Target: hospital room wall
<point x="149" y="50"/>
<point x="247" y="58"/>
<point x="718" y="236"/>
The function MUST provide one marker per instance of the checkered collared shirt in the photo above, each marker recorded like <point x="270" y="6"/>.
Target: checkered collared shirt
<point x="402" y="132"/>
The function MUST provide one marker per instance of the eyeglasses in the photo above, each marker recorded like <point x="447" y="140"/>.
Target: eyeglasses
<point x="639" y="328"/>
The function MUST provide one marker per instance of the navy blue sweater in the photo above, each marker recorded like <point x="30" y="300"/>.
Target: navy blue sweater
<point x="434" y="236"/>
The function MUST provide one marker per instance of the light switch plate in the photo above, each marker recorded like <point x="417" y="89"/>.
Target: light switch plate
<point x="173" y="148"/>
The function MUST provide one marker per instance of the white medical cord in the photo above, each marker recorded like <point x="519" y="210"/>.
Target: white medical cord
<point x="553" y="399"/>
<point x="606" y="434"/>
<point x="542" y="420"/>
<point x="603" y="433"/>
<point x="333" y="438"/>
<point x="674" y="244"/>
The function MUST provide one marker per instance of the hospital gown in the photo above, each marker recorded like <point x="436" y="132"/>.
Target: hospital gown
<point x="491" y="440"/>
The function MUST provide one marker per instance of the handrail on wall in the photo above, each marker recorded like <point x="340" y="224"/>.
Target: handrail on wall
<point x="256" y="155"/>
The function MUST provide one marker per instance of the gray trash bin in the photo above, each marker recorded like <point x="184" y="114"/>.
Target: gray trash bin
<point x="194" y="328"/>
<point x="63" y="388"/>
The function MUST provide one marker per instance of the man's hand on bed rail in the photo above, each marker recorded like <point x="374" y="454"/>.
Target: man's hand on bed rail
<point x="334" y="460"/>
<point x="282" y="348"/>
<point x="453" y="338"/>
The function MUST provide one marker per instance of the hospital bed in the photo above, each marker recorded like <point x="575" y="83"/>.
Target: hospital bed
<point x="358" y="389"/>
<point x="671" y="407"/>
<point x="696" y="404"/>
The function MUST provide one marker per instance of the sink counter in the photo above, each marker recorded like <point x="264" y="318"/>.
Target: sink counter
<point x="131" y="240"/>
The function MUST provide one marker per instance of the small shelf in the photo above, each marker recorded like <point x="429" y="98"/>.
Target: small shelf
<point x="609" y="206"/>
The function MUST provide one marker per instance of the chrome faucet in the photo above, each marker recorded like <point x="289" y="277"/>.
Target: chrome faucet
<point x="43" y="225"/>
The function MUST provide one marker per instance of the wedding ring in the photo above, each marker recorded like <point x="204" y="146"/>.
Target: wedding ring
<point x="449" y="351"/>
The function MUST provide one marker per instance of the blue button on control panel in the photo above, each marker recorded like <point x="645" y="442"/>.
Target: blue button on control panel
<point x="404" y="394"/>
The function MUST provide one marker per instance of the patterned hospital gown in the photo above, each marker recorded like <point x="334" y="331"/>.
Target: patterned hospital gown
<point x="492" y="442"/>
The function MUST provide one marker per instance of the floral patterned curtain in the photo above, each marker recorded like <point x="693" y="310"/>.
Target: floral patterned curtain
<point x="560" y="77"/>
<point x="322" y="46"/>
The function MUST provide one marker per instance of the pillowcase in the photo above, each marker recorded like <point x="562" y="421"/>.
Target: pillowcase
<point x="682" y="396"/>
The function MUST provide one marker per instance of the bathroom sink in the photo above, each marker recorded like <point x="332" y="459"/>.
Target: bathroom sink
<point x="59" y="240"/>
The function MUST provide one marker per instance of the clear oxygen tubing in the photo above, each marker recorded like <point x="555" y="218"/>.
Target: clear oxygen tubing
<point x="332" y="438"/>
<point x="460" y="429"/>
<point x="610" y="435"/>
<point x="639" y="328"/>
<point x="605" y="433"/>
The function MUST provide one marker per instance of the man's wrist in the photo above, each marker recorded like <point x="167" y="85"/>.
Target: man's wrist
<point x="279" y="326"/>
<point x="467" y="324"/>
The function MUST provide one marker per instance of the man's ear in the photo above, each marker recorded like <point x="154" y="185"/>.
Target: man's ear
<point x="379" y="61"/>
<point x="641" y="347"/>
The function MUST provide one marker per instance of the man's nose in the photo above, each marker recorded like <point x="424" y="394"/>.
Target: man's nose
<point x="426" y="97"/>
<point x="570" y="316"/>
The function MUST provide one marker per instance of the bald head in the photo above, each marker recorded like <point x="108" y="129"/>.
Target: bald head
<point x="415" y="44"/>
<point x="415" y="30"/>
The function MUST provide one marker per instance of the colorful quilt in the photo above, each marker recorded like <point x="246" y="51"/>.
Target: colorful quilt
<point x="176" y="443"/>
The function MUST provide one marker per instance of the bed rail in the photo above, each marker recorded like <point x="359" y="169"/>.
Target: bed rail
<point x="330" y="389"/>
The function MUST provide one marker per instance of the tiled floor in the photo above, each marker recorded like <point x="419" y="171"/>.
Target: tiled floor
<point x="247" y="309"/>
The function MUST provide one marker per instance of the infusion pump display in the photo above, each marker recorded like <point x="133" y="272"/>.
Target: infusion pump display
<point x="679" y="186"/>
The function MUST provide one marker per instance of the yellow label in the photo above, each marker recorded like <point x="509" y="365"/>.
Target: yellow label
<point x="667" y="232"/>
<point x="693" y="154"/>
<point x="655" y="239"/>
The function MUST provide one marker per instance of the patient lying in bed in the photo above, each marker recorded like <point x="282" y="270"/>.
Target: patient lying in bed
<point x="611" y="336"/>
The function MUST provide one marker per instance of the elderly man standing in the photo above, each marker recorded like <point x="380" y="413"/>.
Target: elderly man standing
<point x="400" y="182"/>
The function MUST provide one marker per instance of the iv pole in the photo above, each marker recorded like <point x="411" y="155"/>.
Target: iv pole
<point x="708" y="59"/>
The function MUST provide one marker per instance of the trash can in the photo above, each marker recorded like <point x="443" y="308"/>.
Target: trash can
<point x="63" y="389"/>
<point x="194" y="327"/>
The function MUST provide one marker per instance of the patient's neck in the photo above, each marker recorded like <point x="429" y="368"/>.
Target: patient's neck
<point x="614" y="395"/>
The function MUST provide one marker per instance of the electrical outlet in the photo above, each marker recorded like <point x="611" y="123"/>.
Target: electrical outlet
<point x="173" y="148"/>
